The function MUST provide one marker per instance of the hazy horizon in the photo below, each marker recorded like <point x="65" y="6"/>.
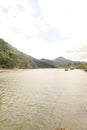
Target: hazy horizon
<point x="46" y="28"/>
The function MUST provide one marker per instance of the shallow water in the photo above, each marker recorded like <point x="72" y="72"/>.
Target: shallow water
<point x="43" y="99"/>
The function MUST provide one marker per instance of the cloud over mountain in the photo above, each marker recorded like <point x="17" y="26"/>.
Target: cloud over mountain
<point x="45" y="28"/>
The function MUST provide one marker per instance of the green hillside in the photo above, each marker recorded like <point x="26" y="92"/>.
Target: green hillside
<point x="62" y="62"/>
<point x="10" y="57"/>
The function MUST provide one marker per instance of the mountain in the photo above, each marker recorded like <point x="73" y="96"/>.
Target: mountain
<point x="51" y="62"/>
<point x="10" y="57"/>
<point x="60" y="61"/>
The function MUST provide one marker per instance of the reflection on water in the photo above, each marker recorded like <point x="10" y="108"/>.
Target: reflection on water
<point x="43" y="99"/>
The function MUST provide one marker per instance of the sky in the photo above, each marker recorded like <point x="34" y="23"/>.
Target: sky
<point x="46" y="28"/>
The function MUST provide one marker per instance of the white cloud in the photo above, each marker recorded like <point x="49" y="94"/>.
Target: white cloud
<point x="68" y="16"/>
<point x="20" y="26"/>
<point x="17" y="21"/>
<point x="38" y="48"/>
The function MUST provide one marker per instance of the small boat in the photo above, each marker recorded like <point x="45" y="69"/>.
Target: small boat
<point x="85" y="69"/>
<point x="72" y="68"/>
<point x="66" y="69"/>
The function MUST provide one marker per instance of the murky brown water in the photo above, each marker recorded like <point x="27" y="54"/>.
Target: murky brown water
<point x="43" y="99"/>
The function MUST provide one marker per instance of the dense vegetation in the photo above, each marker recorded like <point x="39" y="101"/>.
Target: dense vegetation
<point x="80" y="65"/>
<point x="10" y="57"/>
<point x="62" y="62"/>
